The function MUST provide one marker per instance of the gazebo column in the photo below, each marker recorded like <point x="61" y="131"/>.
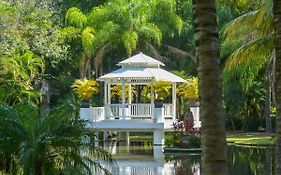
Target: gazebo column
<point x="152" y="102"/>
<point x="123" y="98"/>
<point x="109" y="93"/>
<point x="124" y="136"/>
<point x="105" y="93"/>
<point x="130" y="99"/>
<point x="106" y="107"/>
<point x="174" y="99"/>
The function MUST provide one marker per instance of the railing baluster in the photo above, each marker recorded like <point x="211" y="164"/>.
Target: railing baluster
<point x="112" y="111"/>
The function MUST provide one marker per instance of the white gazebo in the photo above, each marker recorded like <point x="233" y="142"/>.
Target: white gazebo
<point x="139" y="69"/>
<point x="128" y="116"/>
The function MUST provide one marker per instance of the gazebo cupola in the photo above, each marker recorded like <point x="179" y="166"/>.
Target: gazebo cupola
<point x="139" y="69"/>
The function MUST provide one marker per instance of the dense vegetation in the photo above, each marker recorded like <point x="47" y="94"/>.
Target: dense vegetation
<point x="45" y="45"/>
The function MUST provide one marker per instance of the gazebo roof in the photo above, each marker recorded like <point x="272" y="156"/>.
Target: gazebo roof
<point x="141" y="67"/>
<point x="140" y="60"/>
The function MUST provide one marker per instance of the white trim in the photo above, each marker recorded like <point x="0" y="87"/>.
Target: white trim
<point x="109" y="93"/>
<point x="174" y="99"/>
<point x="123" y="98"/>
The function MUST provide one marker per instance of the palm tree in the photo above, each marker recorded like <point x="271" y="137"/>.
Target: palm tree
<point x="52" y="144"/>
<point x="253" y="32"/>
<point x="214" y="154"/>
<point x="277" y="27"/>
<point x="130" y="24"/>
<point x="78" y="29"/>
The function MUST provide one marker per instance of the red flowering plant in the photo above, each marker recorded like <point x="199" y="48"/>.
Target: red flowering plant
<point x="185" y="135"/>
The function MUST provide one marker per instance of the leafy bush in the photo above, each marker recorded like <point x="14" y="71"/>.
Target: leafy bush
<point x="50" y="144"/>
<point x="185" y="135"/>
<point x="162" y="90"/>
<point x="189" y="91"/>
<point x="85" y="89"/>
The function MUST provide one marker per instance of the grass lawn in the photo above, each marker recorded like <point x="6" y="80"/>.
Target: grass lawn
<point x="251" y="139"/>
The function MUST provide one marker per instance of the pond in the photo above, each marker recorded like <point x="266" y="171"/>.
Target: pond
<point x="149" y="160"/>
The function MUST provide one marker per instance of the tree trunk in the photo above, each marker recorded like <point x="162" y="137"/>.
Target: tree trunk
<point x="268" y="125"/>
<point x="214" y="149"/>
<point x="45" y="102"/>
<point x="277" y="27"/>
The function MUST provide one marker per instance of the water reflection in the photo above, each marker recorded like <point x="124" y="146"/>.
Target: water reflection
<point x="150" y="160"/>
<point x="251" y="161"/>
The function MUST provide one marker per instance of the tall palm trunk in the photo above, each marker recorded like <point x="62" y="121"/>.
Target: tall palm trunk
<point x="277" y="27"/>
<point x="214" y="160"/>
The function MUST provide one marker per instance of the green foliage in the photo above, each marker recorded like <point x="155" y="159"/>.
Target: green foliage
<point x="26" y="26"/>
<point x="190" y="90"/>
<point x="133" y="25"/>
<point x="19" y="73"/>
<point x="253" y="31"/>
<point x="116" y="92"/>
<point x="248" y="44"/>
<point x="74" y="17"/>
<point x="130" y="40"/>
<point x="85" y="89"/>
<point x="185" y="135"/>
<point x="161" y="89"/>
<point x="165" y="17"/>
<point x="50" y="144"/>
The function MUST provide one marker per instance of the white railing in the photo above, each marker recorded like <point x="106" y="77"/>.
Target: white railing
<point x="113" y="110"/>
<point x="168" y="110"/>
<point x="97" y="113"/>
<point x="132" y="111"/>
<point x="140" y="110"/>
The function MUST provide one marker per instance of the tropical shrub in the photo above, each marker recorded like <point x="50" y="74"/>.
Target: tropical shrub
<point x="18" y="75"/>
<point x="162" y="90"/>
<point x="189" y="91"/>
<point x="116" y="92"/>
<point x="185" y="135"/>
<point x="85" y="88"/>
<point x="51" y="144"/>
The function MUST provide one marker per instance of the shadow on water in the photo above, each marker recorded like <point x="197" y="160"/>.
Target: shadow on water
<point x="145" y="159"/>
<point x="251" y="161"/>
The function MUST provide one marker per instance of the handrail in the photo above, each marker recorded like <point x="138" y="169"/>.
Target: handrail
<point x="132" y="111"/>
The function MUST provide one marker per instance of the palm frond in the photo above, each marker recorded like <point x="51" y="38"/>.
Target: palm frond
<point x="88" y="37"/>
<point x="98" y="16"/>
<point x="246" y="61"/>
<point x="253" y="24"/>
<point x="130" y="40"/>
<point x="180" y="53"/>
<point x="70" y="33"/>
<point x="153" y="51"/>
<point x="151" y="32"/>
<point x="108" y="33"/>
<point x="75" y="17"/>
